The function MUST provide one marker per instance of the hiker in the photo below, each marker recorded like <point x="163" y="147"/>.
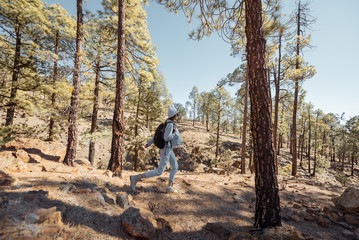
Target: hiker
<point x="172" y="139"/>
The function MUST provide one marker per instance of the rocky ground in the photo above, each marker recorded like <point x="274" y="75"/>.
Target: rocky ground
<point x="40" y="198"/>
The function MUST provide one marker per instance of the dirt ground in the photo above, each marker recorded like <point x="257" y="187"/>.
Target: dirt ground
<point x="78" y="193"/>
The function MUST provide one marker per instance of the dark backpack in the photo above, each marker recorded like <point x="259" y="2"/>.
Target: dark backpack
<point x="158" y="139"/>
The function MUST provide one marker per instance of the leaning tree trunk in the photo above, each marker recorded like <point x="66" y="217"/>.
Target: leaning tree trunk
<point x="118" y="124"/>
<point x="243" y="161"/>
<point x="267" y="213"/>
<point x="15" y="77"/>
<point x="95" y="114"/>
<point x="54" y="80"/>
<point x="72" y="129"/>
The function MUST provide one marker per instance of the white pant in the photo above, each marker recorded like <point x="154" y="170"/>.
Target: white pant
<point x="167" y="154"/>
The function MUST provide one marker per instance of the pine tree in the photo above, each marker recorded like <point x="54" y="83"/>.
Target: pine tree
<point x="59" y="40"/>
<point x="72" y="135"/>
<point x="222" y="98"/>
<point x="196" y="101"/>
<point x="218" y="16"/>
<point x="118" y="125"/>
<point x="23" y="25"/>
<point x="300" y="70"/>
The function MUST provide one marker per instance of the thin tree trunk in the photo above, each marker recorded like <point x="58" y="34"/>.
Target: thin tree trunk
<point x="295" y="105"/>
<point x="72" y="128"/>
<point x="309" y="138"/>
<point x="207" y="122"/>
<point x="276" y="101"/>
<point x="94" y="114"/>
<point x="53" y="96"/>
<point x="135" y="159"/>
<point x="15" y="77"/>
<point x="118" y="125"/>
<point x="244" y="135"/>
<point x="217" y="141"/>
<point x="280" y="144"/>
<point x="315" y="145"/>
<point x="267" y="213"/>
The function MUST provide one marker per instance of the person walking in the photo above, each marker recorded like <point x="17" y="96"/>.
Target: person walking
<point x="172" y="139"/>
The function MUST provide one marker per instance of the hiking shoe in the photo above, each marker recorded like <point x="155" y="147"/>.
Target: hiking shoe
<point x="170" y="190"/>
<point x="134" y="179"/>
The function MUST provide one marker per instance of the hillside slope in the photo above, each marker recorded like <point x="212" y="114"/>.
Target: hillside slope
<point x="41" y="198"/>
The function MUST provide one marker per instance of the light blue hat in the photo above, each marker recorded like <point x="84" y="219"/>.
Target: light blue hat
<point x="171" y="112"/>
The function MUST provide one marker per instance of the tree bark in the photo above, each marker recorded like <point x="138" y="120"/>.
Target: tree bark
<point x="72" y="128"/>
<point x="315" y="145"/>
<point x="244" y="135"/>
<point x="135" y="159"/>
<point x="276" y="102"/>
<point x="295" y="105"/>
<point x="118" y="125"/>
<point x="218" y="126"/>
<point x="54" y="80"/>
<point x="15" y="77"/>
<point x="267" y="213"/>
<point x="309" y="138"/>
<point x="95" y="113"/>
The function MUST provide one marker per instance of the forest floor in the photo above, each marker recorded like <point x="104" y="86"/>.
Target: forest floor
<point x="211" y="203"/>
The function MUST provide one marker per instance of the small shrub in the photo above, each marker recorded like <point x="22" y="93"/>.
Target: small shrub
<point x="322" y="165"/>
<point x="286" y="170"/>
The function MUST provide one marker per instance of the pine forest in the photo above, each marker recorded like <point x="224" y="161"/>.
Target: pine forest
<point x="83" y="93"/>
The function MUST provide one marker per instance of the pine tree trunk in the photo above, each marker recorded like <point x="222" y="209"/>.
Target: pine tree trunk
<point x="244" y="135"/>
<point x="138" y="108"/>
<point x="267" y="213"/>
<point x="53" y="96"/>
<point x="194" y="113"/>
<point x="295" y="105"/>
<point x="276" y="102"/>
<point x="118" y="125"/>
<point x="72" y="128"/>
<point x="280" y="144"/>
<point x="315" y="146"/>
<point x="135" y="158"/>
<point x="95" y="114"/>
<point x="207" y="122"/>
<point x="217" y="140"/>
<point x="15" y="77"/>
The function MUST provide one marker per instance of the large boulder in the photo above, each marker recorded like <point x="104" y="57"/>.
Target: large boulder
<point x="349" y="200"/>
<point x="139" y="223"/>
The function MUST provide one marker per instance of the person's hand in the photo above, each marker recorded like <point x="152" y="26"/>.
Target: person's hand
<point x="174" y="129"/>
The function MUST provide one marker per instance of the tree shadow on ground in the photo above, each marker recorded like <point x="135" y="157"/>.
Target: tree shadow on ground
<point x="110" y="223"/>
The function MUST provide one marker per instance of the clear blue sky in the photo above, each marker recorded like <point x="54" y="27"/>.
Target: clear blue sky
<point x="186" y="63"/>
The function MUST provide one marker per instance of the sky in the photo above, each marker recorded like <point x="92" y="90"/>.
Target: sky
<point x="186" y="63"/>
